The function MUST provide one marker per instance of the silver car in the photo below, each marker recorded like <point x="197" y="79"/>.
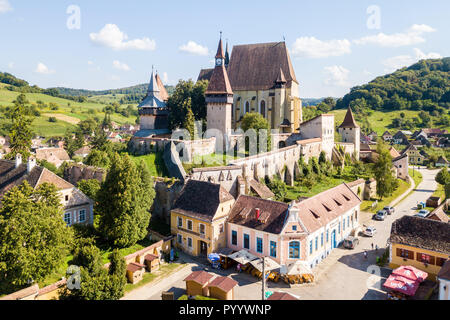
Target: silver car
<point x="389" y="210"/>
<point x="422" y="213"/>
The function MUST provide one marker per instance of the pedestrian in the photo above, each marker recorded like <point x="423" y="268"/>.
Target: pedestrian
<point x="376" y="248"/>
<point x="372" y="245"/>
<point x="365" y="254"/>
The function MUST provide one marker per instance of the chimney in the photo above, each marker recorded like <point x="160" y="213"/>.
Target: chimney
<point x="31" y="163"/>
<point x="18" y="160"/>
<point x="258" y="213"/>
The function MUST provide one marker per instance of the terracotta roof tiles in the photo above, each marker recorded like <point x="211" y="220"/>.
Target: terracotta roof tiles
<point x="200" y="277"/>
<point x="223" y="283"/>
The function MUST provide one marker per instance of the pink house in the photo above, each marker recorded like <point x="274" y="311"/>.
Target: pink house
<point x="306" y="230"/>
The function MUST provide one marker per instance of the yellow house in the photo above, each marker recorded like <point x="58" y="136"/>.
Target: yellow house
<point x="421" y="243"/>
<point x="414" y="155"/>
<point x="198" y="217"/>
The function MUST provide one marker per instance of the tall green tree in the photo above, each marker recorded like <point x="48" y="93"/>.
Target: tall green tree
<point x="386" y="182"/>
<point x="124" y="201"/>
<point x="257" y="122"/>
<point x="189" y="121"/>
<point x="20" y="131"/>
<point x="34" y="237"/>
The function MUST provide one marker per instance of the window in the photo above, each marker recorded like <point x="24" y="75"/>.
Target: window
<point x="67" y="198"/>
<point x="202" y="228"/>
<point x="189" y="225"/>
<point x="190" y="242"/>
<point x="294" y="250"/>
<point x="327" y="235"/>
<point x="348" y="221"/>
<point x="259" y="245"/>
<point x="82" y="216"/>
<point x="221" y="228"/>
<point x="180" y="239"/>
<point x="321" y="239"/>
<point x="317" y="242"/>
<point x="234" y="238"/>
<point x="425" y="258"/>
<point x="67" y="219"/>
<point x="405" y="253"/>
<point x="180" y="222"/>
<point x="262" y="108"/>
<point x="247" y="107"/>
<point x="440" y="261"/>
<point x="246" y="241"/>
<point x="339" y="228"/>
<point x="310" y="247"/>
<point x="294" y="228"/>
<point x="273" y="249"/>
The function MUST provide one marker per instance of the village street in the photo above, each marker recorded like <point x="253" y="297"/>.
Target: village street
<point x="344" y="274"/>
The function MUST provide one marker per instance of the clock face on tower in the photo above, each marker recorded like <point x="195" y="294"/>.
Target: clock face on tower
<point x="218" y="62"/>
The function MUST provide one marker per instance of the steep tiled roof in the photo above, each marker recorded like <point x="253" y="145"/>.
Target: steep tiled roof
<point x="201" y="199"/>
<point x="223" y="283"/>
<point x="205" y="74"/>
<point x="422" y="233"/>
<point x="408" y="148"/>
<point x="10" y="176"/>
<point x="200" y="277"/>
<point x="319" y="210"/>
<point x="219" y="82"/>
<point x="50" y="154"/>
<point x="257" y="66"/>
<point x="349" y="120"/>
<point x="244" y="213"/>
<point x="439" y="214"/>
<point x="394" y="153"/>
<point x="133" y="267"/>
<point x="163" y="95"/>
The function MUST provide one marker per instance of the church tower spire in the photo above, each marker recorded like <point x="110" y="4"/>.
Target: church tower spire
<point x="227" y="56"/>
<point x="219" y="95"/>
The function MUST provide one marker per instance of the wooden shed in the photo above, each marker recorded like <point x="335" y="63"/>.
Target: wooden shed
<point x="433" y="202"/>
<point x="197" y="283"/>
<point x="152" y="262"/>
<point x="222" y="288"/>
<point x="135" y="272"/>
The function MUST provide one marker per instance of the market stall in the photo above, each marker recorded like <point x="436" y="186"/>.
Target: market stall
<point x="271" y="266"/>
<point x="297" y="273"/>
<point x="404" y="282"/>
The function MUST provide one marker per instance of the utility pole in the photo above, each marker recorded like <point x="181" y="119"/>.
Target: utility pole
<point x="263" y="278"/>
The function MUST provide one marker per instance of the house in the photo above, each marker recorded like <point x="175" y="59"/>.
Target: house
<point x="444" y="281"/>
<point x="114" y="137"/>
<point x="434" y="132"/>
<point x="37" y="143"/>
<point x="442" y="162"/>
<point x="439" y="213"/>
<point x="282" y="296"/>
<point x="387" y="136"/>
<point x="222" y="288"/>
<point x="414" y="155"/>
<point x="55" y="156"/>
<point x="401" y="163"/>
<point x="433" y="202"/>
<point x="198" y="217"/>
<point x="373" y="136"/>
<point x="82" y="152"/>
<point x="443" y="142"/>
<point x="78" y="208"/>
<point x="135" y="272"/>
<point x="307" y="230"/>
<point x="421" y="243"/>
<point x="56" y="142"/>
<point x="400" y="138"/>
<point x="197" y="283"/>
<point x="422" y="141"/>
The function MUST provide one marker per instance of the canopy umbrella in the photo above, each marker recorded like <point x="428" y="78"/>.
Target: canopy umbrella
<point x="298" y="268"/>
<point x="213" y="257"/>
<point x="402" y="284"/>
<point x="411" y="273"/>
<point x="242" y="257"/>
<point x="270" y="264"/>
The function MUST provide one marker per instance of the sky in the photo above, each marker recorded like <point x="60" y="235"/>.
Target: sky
<point x="334" y="45"/>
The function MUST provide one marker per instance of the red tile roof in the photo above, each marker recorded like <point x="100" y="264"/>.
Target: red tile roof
<point x="223" y="283"/>
<point x="281" y="296"/>
<point x="133" y="267"/>
<point x="200" y="277"/>
<point x="349" y="120"/>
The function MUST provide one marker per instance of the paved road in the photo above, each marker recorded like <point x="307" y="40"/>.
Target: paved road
<point x="344" y="273"/>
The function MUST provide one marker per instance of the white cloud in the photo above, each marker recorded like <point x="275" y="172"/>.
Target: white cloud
<point x="5" y="6"/>
<point x="336" y="76"/>
<point x="311" y="47"/>
<point x="111" y="36"/>
<point x="43" y="69"/>
<point x="412" y="35"/>
<point x="398" y="62"/>
<point x="121" y="66"/>
<point x="194" y="48"/>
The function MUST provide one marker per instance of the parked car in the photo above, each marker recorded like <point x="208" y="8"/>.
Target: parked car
<point x="389" y="210"/>
<point x="370" y="231"/>
<point x="351" y="242"/>
<point x="380" y="215"/>
<point x="422" y="213"/>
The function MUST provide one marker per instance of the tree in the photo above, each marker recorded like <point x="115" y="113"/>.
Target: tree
<point x="20" y="130"/>
<point x="89" y="187"/>
<point x="124" y="201"/>
<point x="34" y="237"/>
<point x="73" y="141"/>
<point x="443" y="177"/>
<point x="386" y="182"/>
<point x="257" y="122"/>
<point x="198" y="99"/>
<point x="189" y="121"/>
<point x="278" y="187"/>
<point x="97" y="158"/>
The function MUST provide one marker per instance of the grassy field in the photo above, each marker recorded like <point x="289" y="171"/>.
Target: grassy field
<point x="298" y="190"/>
<point x="416" y="176"/>
<point x="211" y="160"/>
<point x="67" y="114"/>
<point x="155" y="164"/>
<point x="366" y="205"/>
<point x="382" y="121"/>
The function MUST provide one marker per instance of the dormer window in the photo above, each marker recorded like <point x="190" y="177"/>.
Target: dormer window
<point x="294" y="228"/>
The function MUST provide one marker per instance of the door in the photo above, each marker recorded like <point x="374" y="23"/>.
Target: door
<point x="203" y="248"/>
<point x="333" y="239"/>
